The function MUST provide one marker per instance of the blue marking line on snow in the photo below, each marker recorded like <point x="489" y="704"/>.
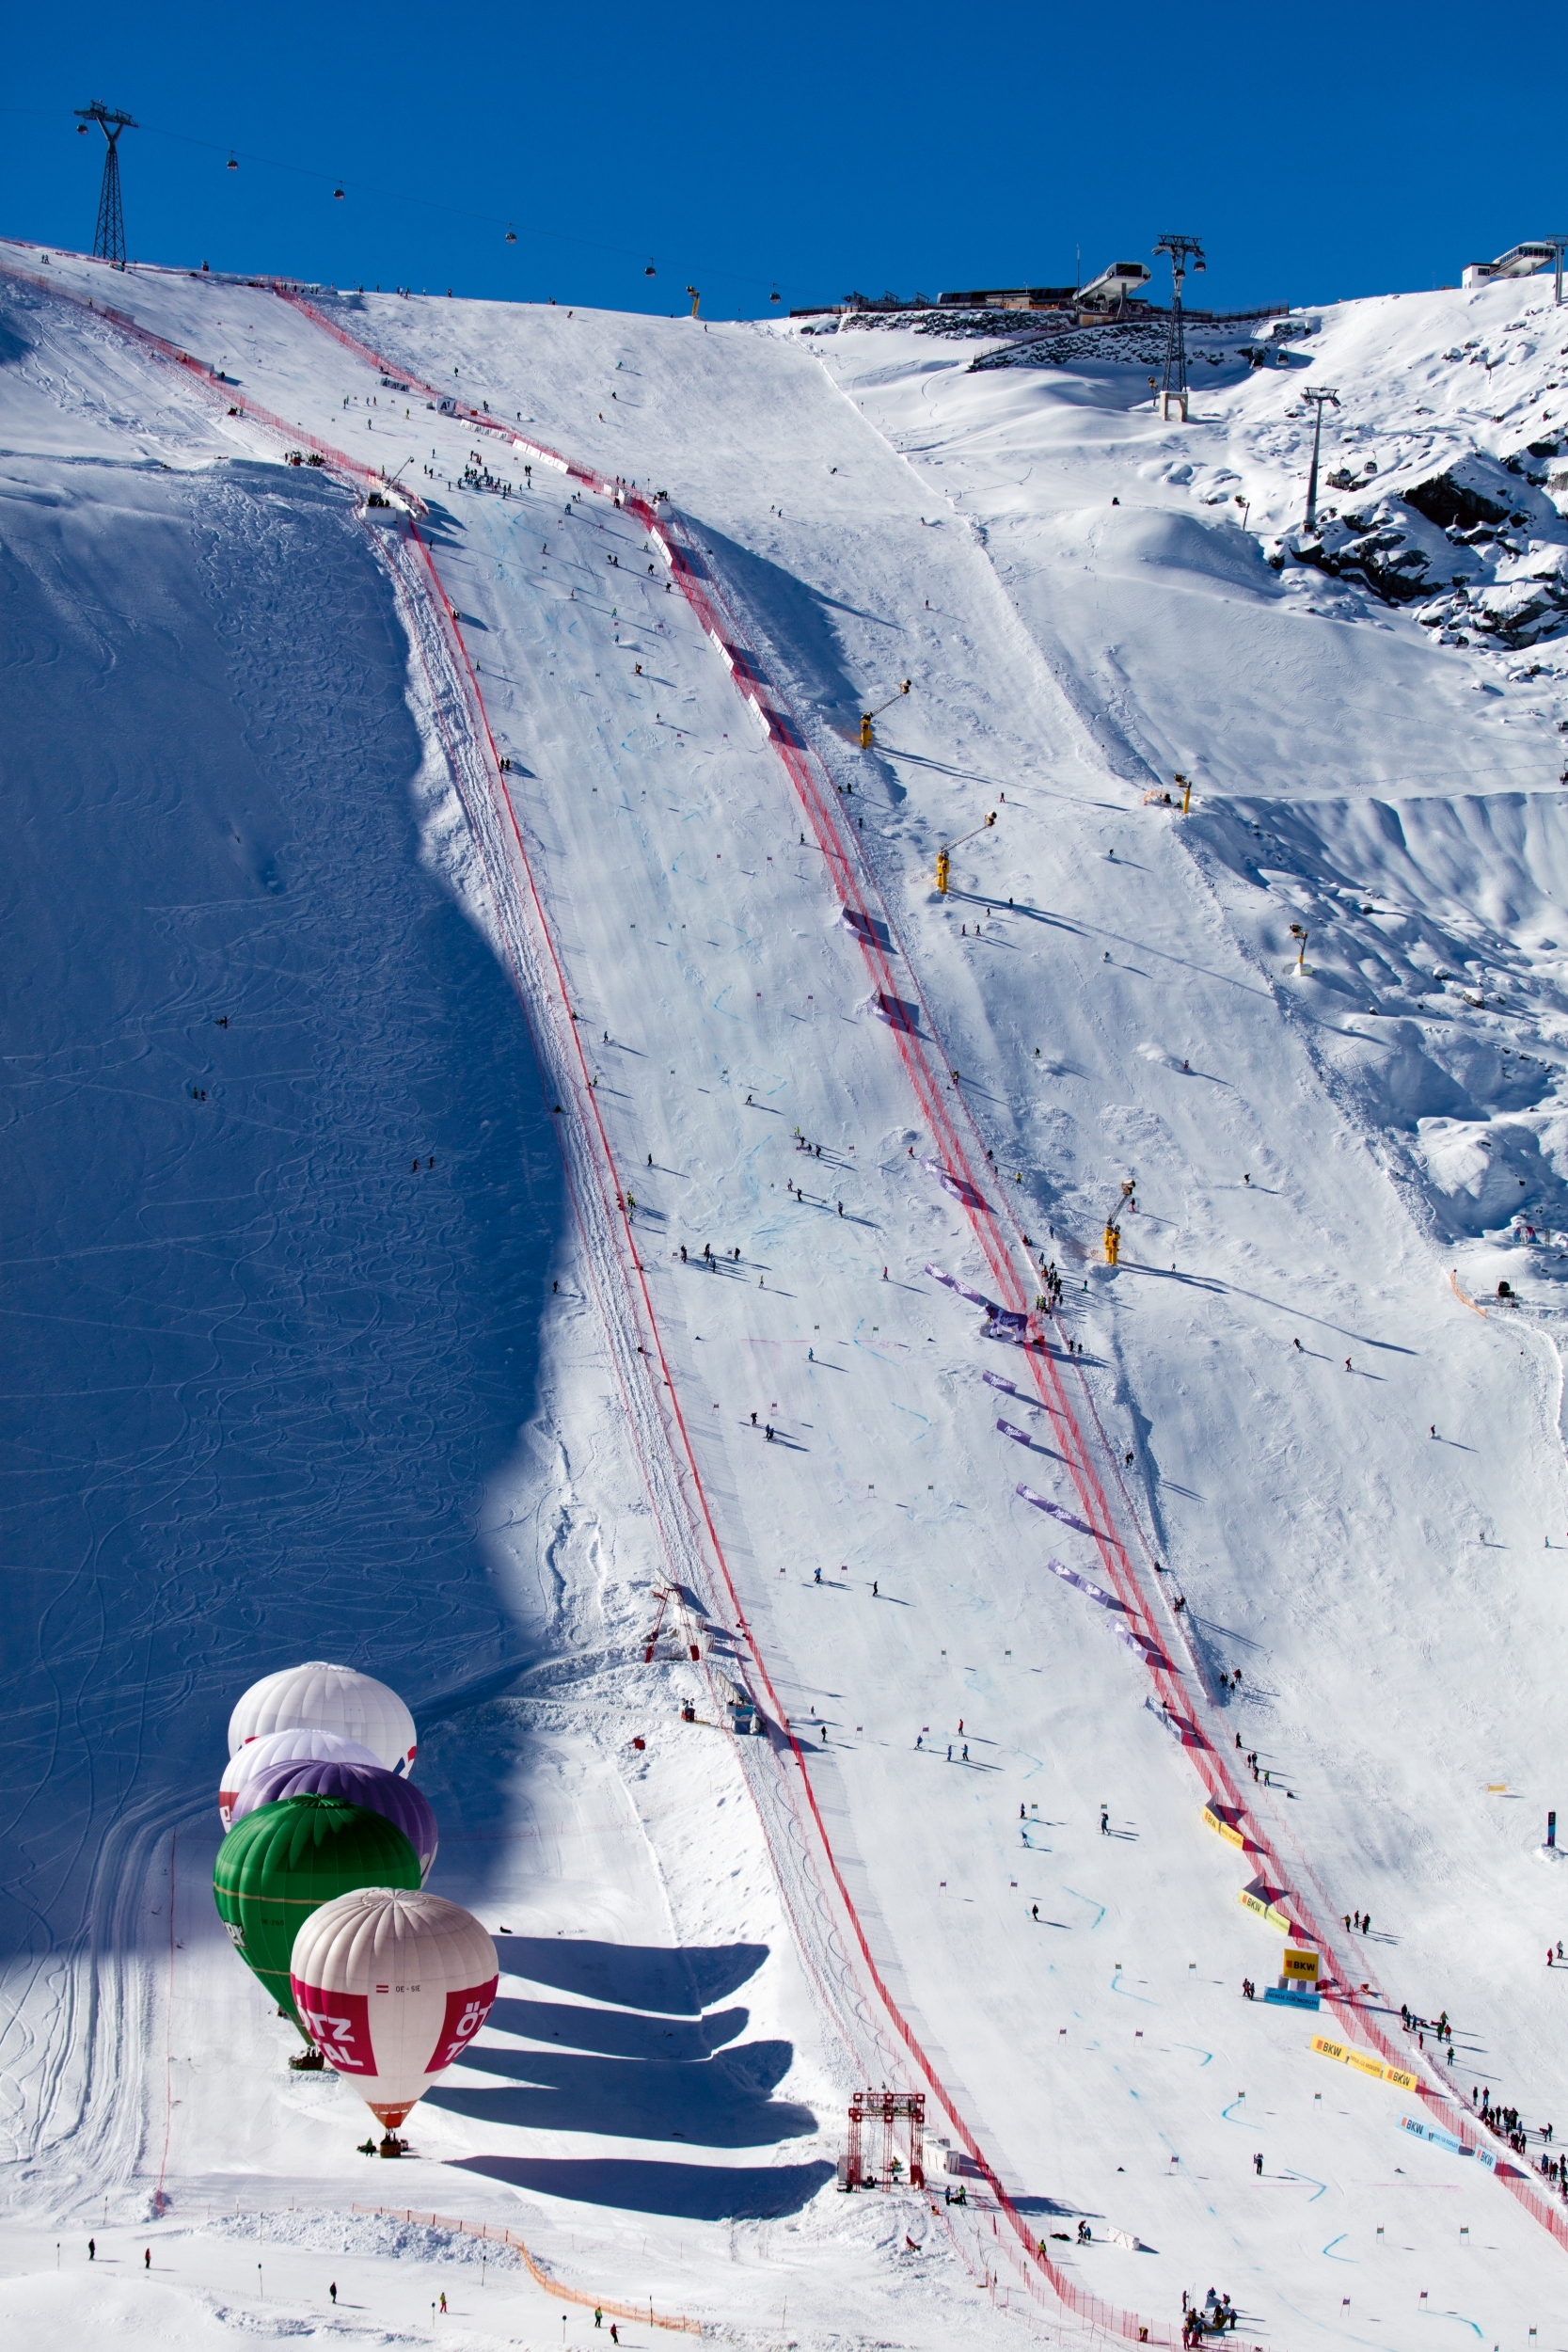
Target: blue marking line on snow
<point x="1227" y="2114"/>
<point x="1117" y="1986"/>
<point x="1204" y="2057"/>
<point x="912" y="1415"/>
<point x="870" y="1350"/>
<point x="1099" y="1909"/>
<point x="1333" y="2242"/>
<point x="1317" y="2187"/>
<point x="719" y="1002"/>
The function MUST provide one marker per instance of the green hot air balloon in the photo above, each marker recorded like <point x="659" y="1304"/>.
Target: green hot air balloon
<point x="283" y="1861"/>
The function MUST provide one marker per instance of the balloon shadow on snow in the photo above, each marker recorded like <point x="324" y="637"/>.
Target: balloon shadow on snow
<point x="675" y="1980"/>
<point x="686" y="2192"/>
<point x="723" y="2101"/>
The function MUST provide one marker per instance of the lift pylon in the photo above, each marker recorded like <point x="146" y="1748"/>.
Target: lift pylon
<point x="108" y="242"/>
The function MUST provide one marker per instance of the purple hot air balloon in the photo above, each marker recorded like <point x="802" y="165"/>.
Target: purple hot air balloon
<point x="368" y="1785"/>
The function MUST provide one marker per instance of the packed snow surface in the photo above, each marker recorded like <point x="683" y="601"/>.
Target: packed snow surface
<point x="453" y="1205"/>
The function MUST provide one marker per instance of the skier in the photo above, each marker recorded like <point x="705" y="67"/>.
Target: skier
<point x="1034" y="1910"/>
<point x="873" y="1588"/>
<point x="614" y="2334"/>
<point x="818" y="1576"/>
<point x="332" y="2290"/>
<point x="950" y="1751"/>
<point x="1258" y="2166"/>
<point x="598" y="2316"/>
<point x="92" y="2249"/>
<point x="147" y="2259"/>
<point x="443" y="2305"/>
<point x="1105" y="1823"/>
<point x="769" y="1426"/>
<point x="965" y="1756"/>
<point x="823" y="1728"/>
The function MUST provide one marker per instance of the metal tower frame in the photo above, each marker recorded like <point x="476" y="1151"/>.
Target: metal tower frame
<point x="108" y="239"/>
<point x="1185" y="253"/>
<point x="1318" y="394"/>
<point x="889" y="2108"/>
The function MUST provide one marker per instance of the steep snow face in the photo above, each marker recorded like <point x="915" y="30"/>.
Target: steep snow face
<point x="1369" y="1610"/>
<point x="276" y="1226"/>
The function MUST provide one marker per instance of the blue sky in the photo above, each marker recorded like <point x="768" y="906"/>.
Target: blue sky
<point x="816" y="149"/>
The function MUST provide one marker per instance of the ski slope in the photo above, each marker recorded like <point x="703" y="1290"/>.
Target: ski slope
<point x="291" y="814"/>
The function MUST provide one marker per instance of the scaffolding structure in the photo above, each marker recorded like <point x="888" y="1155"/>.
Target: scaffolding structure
<point x="902" y="2117"/>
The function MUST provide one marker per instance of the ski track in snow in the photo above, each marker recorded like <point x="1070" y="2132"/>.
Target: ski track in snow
<point x="1204" y="873"/>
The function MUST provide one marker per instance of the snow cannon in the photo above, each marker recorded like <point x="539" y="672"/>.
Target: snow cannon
<point x="285" y="1861"/>
<point x="369" y="1786"/>
<point x="329" y="1699"/>
<point x="393" y="1986"/>
<point x="303" y="1746"/>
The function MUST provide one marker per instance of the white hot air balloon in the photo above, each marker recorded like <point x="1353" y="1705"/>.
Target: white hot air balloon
<point x="306" y="1745"/>
<point x="329" y="1699"/>
<point x="393" y="1986"/>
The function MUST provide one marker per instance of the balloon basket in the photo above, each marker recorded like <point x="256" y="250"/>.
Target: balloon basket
<point x="392" y="2146"/>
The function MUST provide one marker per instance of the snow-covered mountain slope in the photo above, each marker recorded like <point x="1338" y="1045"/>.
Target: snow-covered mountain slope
<point x="1330" y="1157"/>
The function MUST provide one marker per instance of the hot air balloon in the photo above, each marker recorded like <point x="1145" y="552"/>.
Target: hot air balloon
<point x="332" y="1698"/>
<point x="301" y="1746"/>
<point x="279" y="1864"/>
<point x="368" y="1785"/>
<point x="393" y="1987"/>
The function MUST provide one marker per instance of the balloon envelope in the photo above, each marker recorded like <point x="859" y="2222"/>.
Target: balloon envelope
<point x="280" y="1863"/>
<point x="276" y="1747"/>
<point x="392" y="1987"/>
<point x="333" y="1698"/>
<point x="368" y="1785"/>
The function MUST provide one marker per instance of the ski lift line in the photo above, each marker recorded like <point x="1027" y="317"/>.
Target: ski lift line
<point x="400" y="196"/>
<point x="1043" y="1367"/>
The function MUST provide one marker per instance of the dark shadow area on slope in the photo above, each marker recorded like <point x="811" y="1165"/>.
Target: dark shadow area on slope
<point x="688" y="2192"/>
<point x="672" y="1980"/>
<point x="713" y="2102"/>
<point x="270" y="1366"/>
<point x="799" y="627"/>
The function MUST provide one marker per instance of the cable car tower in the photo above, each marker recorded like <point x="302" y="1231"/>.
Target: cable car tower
<point x="1185" y="252"/>
<point x="108" y="241"/>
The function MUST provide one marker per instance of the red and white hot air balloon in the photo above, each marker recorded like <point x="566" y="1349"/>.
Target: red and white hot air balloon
<point x="306" y="1745"/>
<point x="393" y="1986"/>
<point x="329" y="1698"/>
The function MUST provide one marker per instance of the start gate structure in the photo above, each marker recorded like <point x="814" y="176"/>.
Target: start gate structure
<point x="901" y="2114"/>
